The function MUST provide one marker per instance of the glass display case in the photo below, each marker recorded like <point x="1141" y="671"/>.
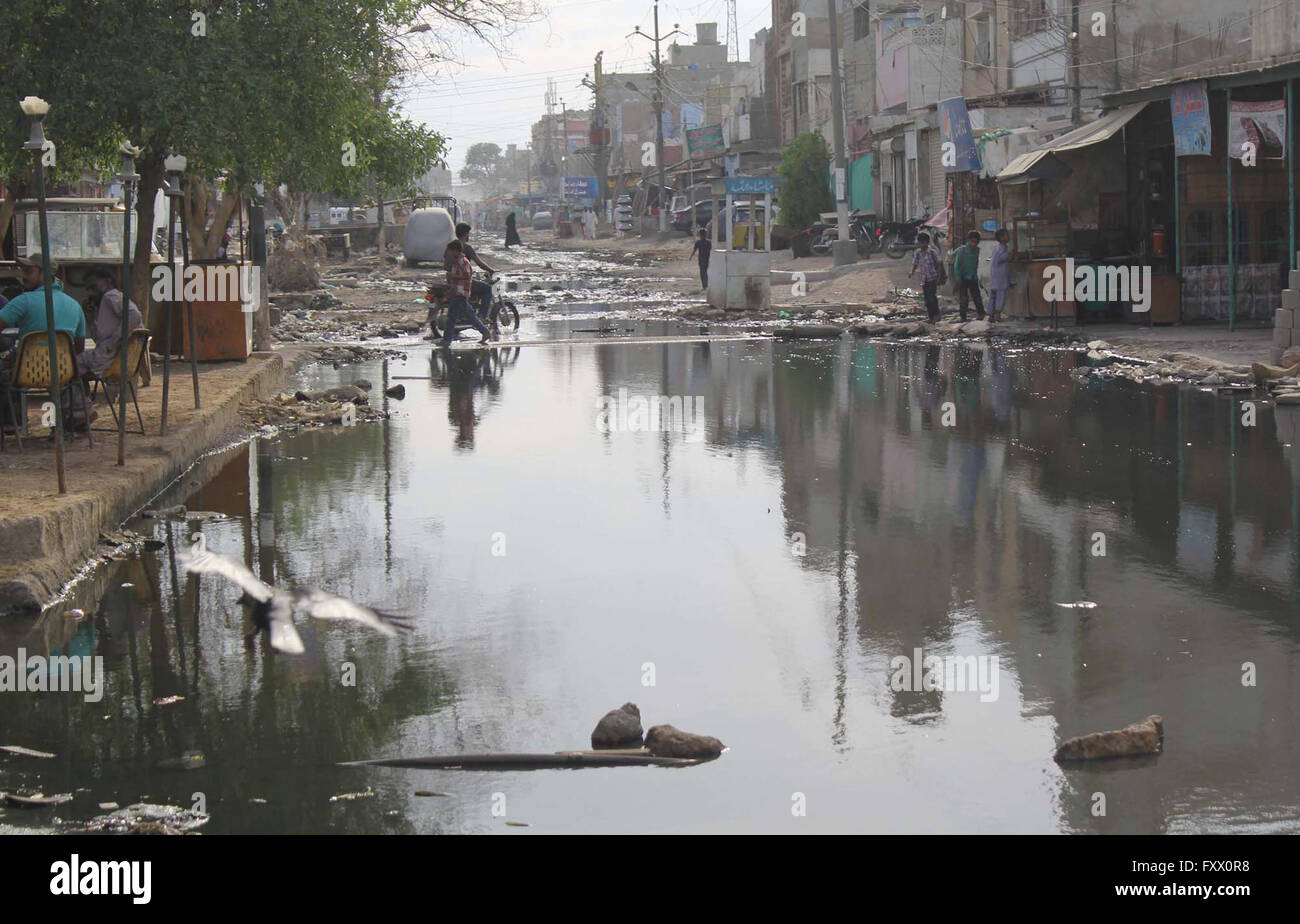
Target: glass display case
<point x="75" y="237"/>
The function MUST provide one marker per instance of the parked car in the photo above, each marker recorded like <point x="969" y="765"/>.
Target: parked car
<point x="703" y="213"/>
<point x="543" y="220"/>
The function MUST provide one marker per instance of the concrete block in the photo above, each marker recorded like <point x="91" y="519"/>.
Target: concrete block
<point x="1284" y="317"/>
<point x="1294" y="279"/>
<point x="1282" y="337"/>
<point x="1291" y="299"/>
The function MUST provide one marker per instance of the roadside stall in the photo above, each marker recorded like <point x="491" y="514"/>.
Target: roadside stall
<point x="1074" y="249"/>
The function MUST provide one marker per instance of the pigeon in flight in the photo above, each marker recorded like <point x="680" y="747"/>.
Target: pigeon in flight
<point x="273" y="609"/>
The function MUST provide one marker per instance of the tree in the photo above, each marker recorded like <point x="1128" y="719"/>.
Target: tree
<point x="804" y="194"/>
<point x="250" y="91"/>
<point x="483" y="164"/>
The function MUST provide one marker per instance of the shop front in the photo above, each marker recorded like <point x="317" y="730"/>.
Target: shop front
<point x="1087" y="231"/>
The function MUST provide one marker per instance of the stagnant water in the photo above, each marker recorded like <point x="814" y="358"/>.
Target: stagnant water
<point x="556" y="571"/>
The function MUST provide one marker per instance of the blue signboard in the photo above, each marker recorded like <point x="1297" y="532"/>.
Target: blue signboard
<point x="954" y="129"/>
<point x="1189" y="110"/>
<point x="581" y="187"/>
<point x="750" y="185"/>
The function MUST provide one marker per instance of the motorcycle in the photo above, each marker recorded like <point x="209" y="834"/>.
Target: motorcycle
<point x="900" y="237"/>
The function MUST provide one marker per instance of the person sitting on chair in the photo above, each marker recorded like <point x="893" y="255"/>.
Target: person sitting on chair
<point x="107" y="326"/>
<point x="27" y="313"/>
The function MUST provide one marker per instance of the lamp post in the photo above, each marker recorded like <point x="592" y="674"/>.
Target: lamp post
<point x="175" y="167"/>
<point x="36" y="109"/>
<point x="129" y="178"/>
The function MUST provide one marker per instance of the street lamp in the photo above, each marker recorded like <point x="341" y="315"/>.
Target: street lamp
<point x="174" y="164"/>
<point x="36" y="109"/>
<point x="129" y="179"/>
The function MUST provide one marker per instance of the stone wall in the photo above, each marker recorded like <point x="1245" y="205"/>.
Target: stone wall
<point x="1286" y="321"/>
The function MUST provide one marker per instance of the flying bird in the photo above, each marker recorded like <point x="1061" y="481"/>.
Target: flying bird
<point x="273" y="609"/>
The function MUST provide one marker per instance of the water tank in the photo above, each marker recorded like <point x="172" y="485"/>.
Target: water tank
<point x="706" y="33"/>
<point x="428" y="232"/>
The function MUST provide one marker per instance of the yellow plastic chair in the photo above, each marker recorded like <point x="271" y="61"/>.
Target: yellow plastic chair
<point x="137" y="358"/>
<point x="31" y="375"/>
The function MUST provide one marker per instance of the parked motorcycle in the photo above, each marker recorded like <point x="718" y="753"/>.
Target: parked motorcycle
<point x="899" y="238"/>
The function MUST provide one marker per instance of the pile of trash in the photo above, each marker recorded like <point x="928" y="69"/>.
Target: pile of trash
<point x="345" y="405"/>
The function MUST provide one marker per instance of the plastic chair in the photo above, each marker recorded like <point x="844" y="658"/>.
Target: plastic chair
<point x="31" y="374"/>
<point x="137" y="355"/>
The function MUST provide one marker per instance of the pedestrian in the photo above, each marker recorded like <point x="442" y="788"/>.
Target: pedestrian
<point x="703" y="247"/>
<point x="512" y="233"/>
<point x="589" y="223"/>
<point x="966" y="271"/>
<point x="926" y="262"/>
<point x="460" y="277"/>
<point x="999" y="275"/>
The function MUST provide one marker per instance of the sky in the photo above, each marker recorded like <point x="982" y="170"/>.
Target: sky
<point x="497" y="99"/>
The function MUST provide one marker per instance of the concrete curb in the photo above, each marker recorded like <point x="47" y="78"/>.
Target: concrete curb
<point x="45" y="551"/>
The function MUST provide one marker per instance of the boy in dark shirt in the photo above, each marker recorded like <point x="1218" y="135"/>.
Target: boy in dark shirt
<point x="703" y="246"/>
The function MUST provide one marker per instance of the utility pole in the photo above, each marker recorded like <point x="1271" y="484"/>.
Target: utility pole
<point x="1072" y="75"/>
<point x="601" y="159"/>
<point x="845" y="249"/>
<point x="659" y="118"/>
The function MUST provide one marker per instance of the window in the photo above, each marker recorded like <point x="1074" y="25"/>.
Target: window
<point x="1030" y="16"/>
<point x="861" y="21"/>
<point x="983" y="40"/>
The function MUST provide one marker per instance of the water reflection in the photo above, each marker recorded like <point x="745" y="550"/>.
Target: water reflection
<point x="849" y="504"/>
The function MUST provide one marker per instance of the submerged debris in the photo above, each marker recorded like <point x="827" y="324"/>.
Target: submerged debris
<point x="36" y="799"/>
<point x="145" y="818"/>
<point x="1079" y="605"/>
<point x="20" y="751"/>
<point x="352" y="796"/>
<point x="1144" y="737"/>
<point x="190" y="760"/>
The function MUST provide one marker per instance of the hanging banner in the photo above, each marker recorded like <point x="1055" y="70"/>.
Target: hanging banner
<point x="954" y="129"/>
<point x="1260" y="124"/>
<point x="1189" y="109"/>
<point x="705" y="142"/>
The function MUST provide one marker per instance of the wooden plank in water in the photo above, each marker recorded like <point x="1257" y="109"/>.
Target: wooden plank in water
<point x="560" y="760"/>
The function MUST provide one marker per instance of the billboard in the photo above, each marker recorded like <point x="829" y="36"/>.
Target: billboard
<point x="581" y="187"/>
<point x="1189" y="111"/>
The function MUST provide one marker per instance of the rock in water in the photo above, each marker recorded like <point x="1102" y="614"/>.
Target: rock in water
<point x="1145" y="737"/>
<point x="619" y="728"/>
<point x="396" y="391"/>
<point x="666" y="741"/>
<point x="975" y="328"/>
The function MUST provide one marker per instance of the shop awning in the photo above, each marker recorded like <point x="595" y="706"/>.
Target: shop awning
<point x="1021" y="169"/>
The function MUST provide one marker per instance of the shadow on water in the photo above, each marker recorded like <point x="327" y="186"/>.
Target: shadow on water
<point x="841" y="507"/>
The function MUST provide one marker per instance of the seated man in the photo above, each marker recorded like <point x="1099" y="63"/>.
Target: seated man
<point x="27" y="313"/>
<point x="107" y="327"/>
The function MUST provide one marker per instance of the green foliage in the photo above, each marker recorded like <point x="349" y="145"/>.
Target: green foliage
<point x="482" y="162"/>
<point x="271" y="91"/>
<point x="804" y="195"/>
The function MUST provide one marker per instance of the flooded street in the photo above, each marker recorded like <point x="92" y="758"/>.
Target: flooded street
<point x="839" y="505"/>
